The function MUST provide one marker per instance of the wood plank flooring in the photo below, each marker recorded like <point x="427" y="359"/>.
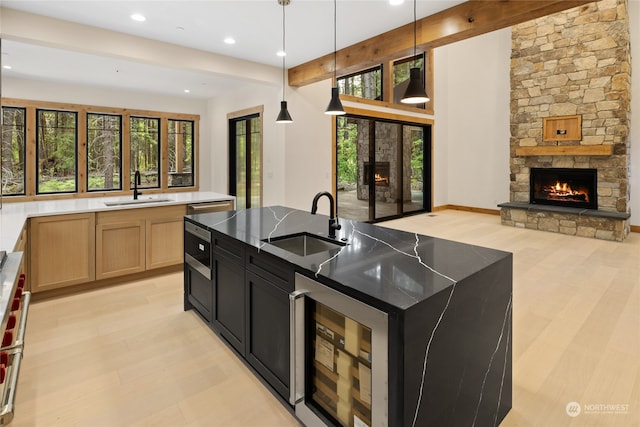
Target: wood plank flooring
<point x="129" y="356"/>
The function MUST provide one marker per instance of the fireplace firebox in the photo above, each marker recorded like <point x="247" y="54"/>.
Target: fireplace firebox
<point x="381" y="173"/>
<point x="564" y="187"/>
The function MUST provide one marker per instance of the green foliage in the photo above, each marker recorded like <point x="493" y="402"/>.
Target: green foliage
<point x="347" y="151"/>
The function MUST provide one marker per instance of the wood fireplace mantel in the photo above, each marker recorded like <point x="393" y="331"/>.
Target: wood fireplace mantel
<point x="566" y="150"/>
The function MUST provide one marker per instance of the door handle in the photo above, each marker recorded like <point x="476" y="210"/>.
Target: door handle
<point x="293" y="297"/>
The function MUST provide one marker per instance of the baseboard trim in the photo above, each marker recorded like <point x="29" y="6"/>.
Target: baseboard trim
<point x="635" y="228"/>
<point x="467" y="209"/>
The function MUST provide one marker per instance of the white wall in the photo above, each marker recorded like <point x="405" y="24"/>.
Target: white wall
<point x="307" y="160"/>
<point x="472" y="121"/>
<point x="273" y="135"/>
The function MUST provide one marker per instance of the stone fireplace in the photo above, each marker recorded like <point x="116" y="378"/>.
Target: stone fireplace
<point x="574" y="188"/>
<point x="573" y="66"/>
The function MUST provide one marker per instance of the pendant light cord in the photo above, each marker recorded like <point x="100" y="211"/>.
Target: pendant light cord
<point x="415" y="30"/>
<point x="335" y="44"/>
<point x="284" y="52"/>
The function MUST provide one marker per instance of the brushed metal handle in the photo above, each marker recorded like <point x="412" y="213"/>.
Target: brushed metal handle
<point x="293" y="297"/>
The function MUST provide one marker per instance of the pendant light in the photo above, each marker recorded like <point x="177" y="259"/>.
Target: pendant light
<point x="415" y="93"/>
<point x="283" y="116"/>
<point x="335" y="106"/>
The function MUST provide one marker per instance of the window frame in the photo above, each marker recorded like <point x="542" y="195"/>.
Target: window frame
<point x="30" y="166"/>
<point x="378" y="67"/>
<point x="95" y="113"/>
<point x="193" y="170"/>
<point x="37" y="151"/>
<point x="24" y="153"/>
<point x="159" y="152"/>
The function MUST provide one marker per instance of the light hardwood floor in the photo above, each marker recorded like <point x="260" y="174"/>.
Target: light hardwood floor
<point x="129" y="355"/>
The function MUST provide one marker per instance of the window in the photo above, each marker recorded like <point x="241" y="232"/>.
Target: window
<point x="54" y="149"/>
<point x="57" y="151"/>
<point x="104" y="147"/>
<point x="145" y="150"/>
<point x="365" y="84"/>
<point x="401" y="76"/>
<point x="245" y="160"/>
<point x="13" y="150"/>
<point x="180" y="135"/>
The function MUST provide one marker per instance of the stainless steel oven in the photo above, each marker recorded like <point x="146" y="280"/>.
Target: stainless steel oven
<point x="339" y="357"/>
<point x="197" y="248"/>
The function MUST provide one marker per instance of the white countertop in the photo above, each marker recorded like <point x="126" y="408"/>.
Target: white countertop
<point x="13" y="215"/>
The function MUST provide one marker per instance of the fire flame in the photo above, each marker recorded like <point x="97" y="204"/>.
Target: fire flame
<point x="564" y="191"/>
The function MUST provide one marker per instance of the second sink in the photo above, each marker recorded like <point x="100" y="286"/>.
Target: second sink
<point x="303" y="244"/>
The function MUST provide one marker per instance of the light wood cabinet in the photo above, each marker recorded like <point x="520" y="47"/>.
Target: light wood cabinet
<point x="62" y="250"/>
<point x="119" y="248"/>
<point x="164" y="239"/>
<point x="135" y="240"/>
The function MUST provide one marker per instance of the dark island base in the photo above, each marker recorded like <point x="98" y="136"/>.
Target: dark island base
<point x="468" y="374"/>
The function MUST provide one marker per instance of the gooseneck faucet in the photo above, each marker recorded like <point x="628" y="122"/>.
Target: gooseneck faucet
<point x="136" y="181"/>
<point x="333" y="220"/>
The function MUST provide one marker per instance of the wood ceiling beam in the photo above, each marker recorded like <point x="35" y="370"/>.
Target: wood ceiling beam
<point x="470" y="19"/>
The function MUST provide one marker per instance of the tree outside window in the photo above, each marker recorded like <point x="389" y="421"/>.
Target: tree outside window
<point x="13" y="150"/>
<point x="180" y="140"/>
<point x="145" y="151"/>
<point x="56" y="151"/>
<point x="104" y="142"/>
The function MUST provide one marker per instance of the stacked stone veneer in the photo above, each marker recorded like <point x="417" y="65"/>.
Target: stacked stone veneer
<point x="387" y="136"/>
<point x="573" y="62"/>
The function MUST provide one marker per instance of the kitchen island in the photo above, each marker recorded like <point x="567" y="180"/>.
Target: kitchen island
<point x="447" y="304"/>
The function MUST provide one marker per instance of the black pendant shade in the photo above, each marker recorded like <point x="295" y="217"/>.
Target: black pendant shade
<point x="335" y="105"/>
<point x="415" y="93"/>
<point x="284" y="116"/>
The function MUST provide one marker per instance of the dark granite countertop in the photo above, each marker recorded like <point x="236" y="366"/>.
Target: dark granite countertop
<point x="395" y="268"/>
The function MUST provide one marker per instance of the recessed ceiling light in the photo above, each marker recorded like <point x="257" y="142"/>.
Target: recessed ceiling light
<point x="6" y="67"/>
<point x="187" y="91"/>
<point x="138" y="17"/>
<point x="281" y="53"/>
<point x="395" y="2"/>
<point x="230" y="40"/>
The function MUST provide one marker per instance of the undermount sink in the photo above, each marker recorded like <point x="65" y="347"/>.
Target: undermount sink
<point x="136" y="202"/>
<point x="303" y="244"/>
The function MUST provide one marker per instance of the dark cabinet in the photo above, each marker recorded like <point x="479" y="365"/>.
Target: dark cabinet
<point x="229" y="290"/>
<point x="268" y="284"/>
<point x="198" y="292"/>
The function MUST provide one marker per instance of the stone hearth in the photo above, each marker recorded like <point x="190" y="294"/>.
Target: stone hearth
<point x="574" y="63"/>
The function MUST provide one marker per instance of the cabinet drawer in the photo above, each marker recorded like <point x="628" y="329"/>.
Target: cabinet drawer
<point x="271" y="268"/>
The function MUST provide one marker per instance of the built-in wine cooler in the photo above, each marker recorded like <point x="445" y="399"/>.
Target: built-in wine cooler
<point x="340" y="358"/>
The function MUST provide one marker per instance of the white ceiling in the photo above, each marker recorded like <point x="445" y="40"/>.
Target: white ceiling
<point x="256" y="25"/>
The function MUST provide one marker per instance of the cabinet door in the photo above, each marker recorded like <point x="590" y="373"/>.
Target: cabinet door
<point x="164" y="242"/>
<point x="268" y="332"/>
<point x="229" y="301"/>
<point x="198" y="293"/>
<point x="62" y="250"/>
<point x="119" y="248"/>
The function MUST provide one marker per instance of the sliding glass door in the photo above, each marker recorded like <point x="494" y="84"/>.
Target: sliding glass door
<point x="381" y="168"/>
